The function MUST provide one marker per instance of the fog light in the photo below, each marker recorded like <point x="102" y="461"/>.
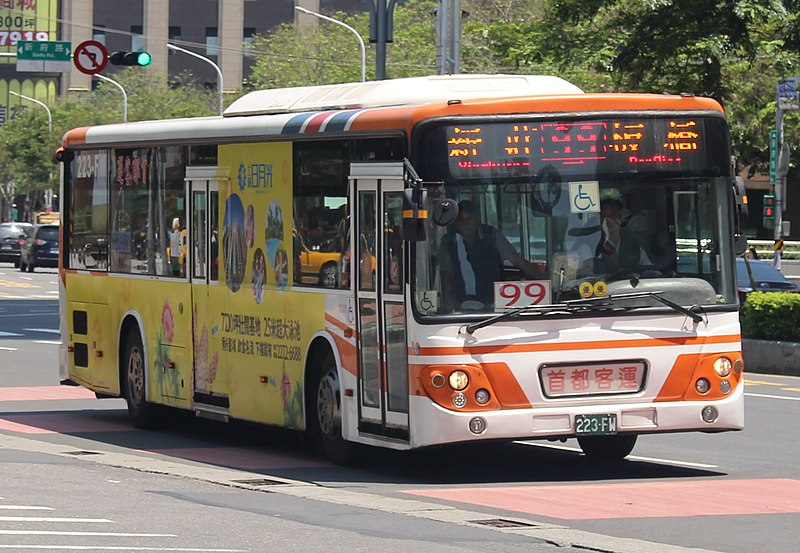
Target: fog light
<point x="482" y="396"/>
<point x="477" y="425"/>
<point x="459" y="400"/>
<point x="702" y="385"/>
<point x="738" y="366"/>
<point x="458" y="380"/>
<point x="723" y="366"/>
<point x="438" y="380"/>
<point x="709" y="414"/>
<point x="725" y="386"/>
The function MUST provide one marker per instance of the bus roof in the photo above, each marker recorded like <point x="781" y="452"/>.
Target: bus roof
<point x="397" y="92"/>
<point x="384" y="107"/>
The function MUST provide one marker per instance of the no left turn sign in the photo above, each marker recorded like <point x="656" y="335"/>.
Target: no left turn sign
<point x="90" y="57"/>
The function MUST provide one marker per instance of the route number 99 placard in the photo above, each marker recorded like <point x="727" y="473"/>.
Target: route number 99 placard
<point x="521" y="294"/>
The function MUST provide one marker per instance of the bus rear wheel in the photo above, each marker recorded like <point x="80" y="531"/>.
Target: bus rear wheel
<point x="135" y="381"/>
<point x="607" y="449"/>
<point x="325" y="418"/>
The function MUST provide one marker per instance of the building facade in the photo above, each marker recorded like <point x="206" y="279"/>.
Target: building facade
<point x="216" y="29"/>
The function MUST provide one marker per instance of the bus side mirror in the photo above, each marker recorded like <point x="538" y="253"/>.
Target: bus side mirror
<point x="64" y="156"/>
<point x="741" y="215"/>
<point x="445" y="212"/>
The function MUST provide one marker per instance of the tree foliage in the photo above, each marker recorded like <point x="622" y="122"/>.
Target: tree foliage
<point x="732" y="50"/>
<point x="27" y="146"/>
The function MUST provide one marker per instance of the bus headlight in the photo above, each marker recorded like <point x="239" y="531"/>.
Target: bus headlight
<point x="725" y="386"/>
<point x="723" y="366"/>
<point x="702" y="385"/>
<point x="438" y="380"/>
<point x="482" y="396"/>
<point x="709" y="414"/>
<point x="477" y="425"/>
<point x="458" y="380"/>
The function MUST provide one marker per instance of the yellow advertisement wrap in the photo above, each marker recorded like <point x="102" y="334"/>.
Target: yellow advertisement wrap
<point x="29" y="20"/>
<point x="262" y="328"/>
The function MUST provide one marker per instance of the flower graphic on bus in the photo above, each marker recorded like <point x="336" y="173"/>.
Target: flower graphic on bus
<point x="205" y="369"/>
<point x="292" y="398"/>
<point x="167" y="376"/>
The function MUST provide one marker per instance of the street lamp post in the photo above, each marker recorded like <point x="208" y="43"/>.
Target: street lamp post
<point x="349" y="28"/>
<point x="124" y="94"/>
<point x="205" y="59"/>
<point x="35" y="101"/>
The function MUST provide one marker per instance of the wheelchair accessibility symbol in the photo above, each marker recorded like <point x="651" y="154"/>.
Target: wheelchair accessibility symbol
<point x="584" y="197"/>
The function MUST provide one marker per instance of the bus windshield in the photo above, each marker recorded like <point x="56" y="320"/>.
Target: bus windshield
<point x="572" y="219"/>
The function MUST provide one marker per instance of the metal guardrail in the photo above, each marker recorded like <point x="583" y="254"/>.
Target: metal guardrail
<point x="766" y="248"/>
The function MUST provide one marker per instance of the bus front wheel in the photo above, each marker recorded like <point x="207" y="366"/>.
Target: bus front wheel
<point x="135" y="374"/>
<point x="325" y="417"/>
<point x="607" y="449"/>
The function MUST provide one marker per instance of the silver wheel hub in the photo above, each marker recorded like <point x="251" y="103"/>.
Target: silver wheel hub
<point x="328" y="405"/>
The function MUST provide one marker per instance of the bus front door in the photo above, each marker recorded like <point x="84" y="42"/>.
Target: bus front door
<point x="378" y="265"/>
<point x="209" y="377"/>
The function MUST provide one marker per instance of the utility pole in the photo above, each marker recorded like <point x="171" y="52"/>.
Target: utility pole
<point x="381" y="32"/>
<point x="448" y="37"/>
<point x="787" y="101"/>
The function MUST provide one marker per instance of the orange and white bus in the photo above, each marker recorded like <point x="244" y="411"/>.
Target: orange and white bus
<point x="332" y="283"/>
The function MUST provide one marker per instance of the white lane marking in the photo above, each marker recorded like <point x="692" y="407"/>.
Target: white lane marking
<point x="770" y="396"/>
<point x="48" y="342"/>
<point x="24" y="508"/>
<point x="116" y="548"/>
<point x="43" y="330"/>
<point x="51" y="519"/>
<point x="55" y="533"/>
<point x="7" y="349"/>
<point x="632" y="457"/>
<point x="4" y="334"/>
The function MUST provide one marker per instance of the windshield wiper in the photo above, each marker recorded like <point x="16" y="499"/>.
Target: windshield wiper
<point x="527" y="309"/>
<point x="571" y="306"/>
<point x="655" y="294"/>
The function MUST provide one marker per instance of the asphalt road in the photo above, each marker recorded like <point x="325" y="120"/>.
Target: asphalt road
<point x="76" y="474"/>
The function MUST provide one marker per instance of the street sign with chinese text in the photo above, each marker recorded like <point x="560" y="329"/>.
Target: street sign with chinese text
<point x="45" y="56"/>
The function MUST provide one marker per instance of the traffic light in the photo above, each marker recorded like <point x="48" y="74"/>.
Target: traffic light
<point x="142" y="59"/>
<point x="769" y="209"/>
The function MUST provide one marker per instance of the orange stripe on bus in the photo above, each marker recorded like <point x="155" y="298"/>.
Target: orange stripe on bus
<point x="563" y="346"/>
<point x="347" y="354"/>
<point x="405" y="117"/>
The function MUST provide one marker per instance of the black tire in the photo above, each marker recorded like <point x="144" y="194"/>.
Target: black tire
<point x="607" y="449"/>
<point x="324" y="414"/>
<point x="134" y="372"/>
<point x="17" y="262"/>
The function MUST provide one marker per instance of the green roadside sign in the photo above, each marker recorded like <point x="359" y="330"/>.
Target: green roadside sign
<point x="44" y="50"/>
<point x="44" y="56"/>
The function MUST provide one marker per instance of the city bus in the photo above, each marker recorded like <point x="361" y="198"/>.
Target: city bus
<point x="327" y="281"/>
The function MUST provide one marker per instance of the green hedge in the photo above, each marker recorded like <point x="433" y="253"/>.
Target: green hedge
<point x="771" y="316"/>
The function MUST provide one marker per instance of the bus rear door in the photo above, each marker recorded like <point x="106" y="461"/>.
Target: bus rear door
<point x="209" y="378"/>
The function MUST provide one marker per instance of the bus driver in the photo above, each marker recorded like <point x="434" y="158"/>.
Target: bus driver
<point x="471" y="258"/>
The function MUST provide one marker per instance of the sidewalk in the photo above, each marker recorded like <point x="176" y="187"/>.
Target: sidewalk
<point x="768" y="357"/>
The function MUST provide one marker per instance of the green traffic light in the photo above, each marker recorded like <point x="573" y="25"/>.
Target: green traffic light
<point x="144" y="59"/>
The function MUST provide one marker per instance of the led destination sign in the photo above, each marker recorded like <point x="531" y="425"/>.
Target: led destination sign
<point x="590" y="146"/>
